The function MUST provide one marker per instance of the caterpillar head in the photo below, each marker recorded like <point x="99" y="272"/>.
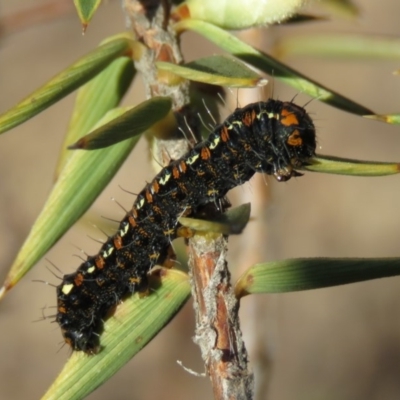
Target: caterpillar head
<point x="288" y="136"/>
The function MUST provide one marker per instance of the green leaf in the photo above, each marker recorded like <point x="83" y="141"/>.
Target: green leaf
<point x="81" y="181"/>
<point x="341" y="8"/>
<point x="136" y="321"/>
<point x="131" y="123"/>
<point x="95" y="99"/>
<point x="346" y="166"/>
<point x="393" y="119"/>
<point x="216" y="70"/>
<point x="313" y="273"/>
<point x="271" y="66"/>
<point x="86" y="10"/>
<point x="68" y="80"/>
<point x="231" y="222"/>
<point x="336" y="46"/>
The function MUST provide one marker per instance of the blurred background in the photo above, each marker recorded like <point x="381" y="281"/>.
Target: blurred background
<point x="337" y="343"/>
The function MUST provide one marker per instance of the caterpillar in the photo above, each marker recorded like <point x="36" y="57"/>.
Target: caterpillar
<point x="271" y="137"/>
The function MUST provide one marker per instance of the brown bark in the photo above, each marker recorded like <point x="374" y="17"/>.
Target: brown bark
<point x="217" y="322"/>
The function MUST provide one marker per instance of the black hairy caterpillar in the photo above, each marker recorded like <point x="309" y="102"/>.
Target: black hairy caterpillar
<point x="272" y="137"/>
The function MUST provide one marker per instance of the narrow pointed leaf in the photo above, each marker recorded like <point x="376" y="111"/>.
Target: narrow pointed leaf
<point x="81" y="181"/>
<point x="341" y="46"/>
<point x="216" y="70"/>
<point x="86" y="10"/>
<point x="67" y="81"/>
<point x="131" y="123"/>
<point x="231" y="222"/>
<point x="341" y="8"/>
<point x="313" y="273"/>
<point x="94" y="100"/>
<point x="136" y="321"/>
<point x="346" y="166"/>
<point x="393" y="119"/>
<point x="271" y="66"/>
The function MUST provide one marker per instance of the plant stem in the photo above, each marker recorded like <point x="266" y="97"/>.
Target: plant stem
<point x="217" y="322"/>
<point x="147" y="18"/>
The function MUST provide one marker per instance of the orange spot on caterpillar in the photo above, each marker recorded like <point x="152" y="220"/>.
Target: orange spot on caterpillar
<point x="117" y="242"/>
<point x="289" y="118"/>
<point x="175" y="172"/>
<point x="99" y="262"/>
<point x="295" y="139"/>
<point x="205" y="153"/>
<point x="249" y="117"/>
<point x="78" y="279"/>
<point x="149" y="196"/>
<point x="132" y="221"/>
<point x="224" y="134"/>
<point x="182" y="166"/>
<point x="155" y="186"/>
